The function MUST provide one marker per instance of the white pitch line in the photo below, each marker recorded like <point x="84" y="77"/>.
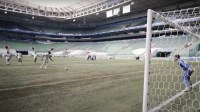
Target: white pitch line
<point x="54" y="83"/>
<point x="171" y="99"/>
<point x="24" y="65"/>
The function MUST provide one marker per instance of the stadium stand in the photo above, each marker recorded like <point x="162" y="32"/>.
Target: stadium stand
<point x="114" y="48"/>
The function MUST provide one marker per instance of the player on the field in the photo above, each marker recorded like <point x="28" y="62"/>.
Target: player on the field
<point x="7" y="57"/>
<point x="186" y="74"/>
<point x="35" y="57"/>
<point x="19" y="57"/>
<point x="46" y="57"/>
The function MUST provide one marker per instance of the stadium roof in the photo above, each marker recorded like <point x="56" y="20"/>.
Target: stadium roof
<point x="73" y="4"/>
<point x="60" y="9"/>
<point x="84" y="11"/>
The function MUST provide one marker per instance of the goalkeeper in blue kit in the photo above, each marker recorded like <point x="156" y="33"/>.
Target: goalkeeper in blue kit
<point x="187" y="72"/>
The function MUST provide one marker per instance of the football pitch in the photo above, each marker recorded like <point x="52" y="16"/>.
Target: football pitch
<point x="87" y="86"/>
<point x="93" y="86"/>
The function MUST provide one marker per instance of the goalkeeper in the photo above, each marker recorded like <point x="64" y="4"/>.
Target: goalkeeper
<point x="186" y="74"/>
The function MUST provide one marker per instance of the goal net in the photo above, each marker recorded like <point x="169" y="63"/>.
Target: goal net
<point x="168" y="34"/>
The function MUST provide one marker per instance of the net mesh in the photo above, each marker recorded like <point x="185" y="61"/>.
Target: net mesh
<point x="174" y="32"/>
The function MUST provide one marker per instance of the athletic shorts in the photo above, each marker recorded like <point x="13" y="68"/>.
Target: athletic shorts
<point x="187" y="74"/>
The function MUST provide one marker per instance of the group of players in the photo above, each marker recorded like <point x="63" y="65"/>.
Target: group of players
<point x="187" y="68"/>
<point x="19" y="57"/>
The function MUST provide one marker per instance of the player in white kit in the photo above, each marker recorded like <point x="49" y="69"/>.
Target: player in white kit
<point x="35" y="57"/>
<point x="7" y="57"/>
<point x="46" y="58"/>
<point x="19" y="57"/>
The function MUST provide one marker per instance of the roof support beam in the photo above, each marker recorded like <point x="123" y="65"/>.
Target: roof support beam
<point x="60" y="13"/>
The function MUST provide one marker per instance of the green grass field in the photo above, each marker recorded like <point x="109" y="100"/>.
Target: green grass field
<point x="93" y="86"/>
<point x="87" y="86"/>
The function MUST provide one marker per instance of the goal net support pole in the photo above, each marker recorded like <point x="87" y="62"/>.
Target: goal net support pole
<point x="175" y="25"/>
<point x="179" y="27"/>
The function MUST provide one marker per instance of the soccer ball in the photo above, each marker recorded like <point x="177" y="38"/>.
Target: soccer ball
<point x="66" y="68"/>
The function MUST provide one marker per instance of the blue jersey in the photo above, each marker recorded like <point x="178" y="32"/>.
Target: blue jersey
<point x="184" y="65"/>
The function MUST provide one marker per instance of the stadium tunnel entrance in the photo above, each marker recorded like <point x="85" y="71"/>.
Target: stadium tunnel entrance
<point x="163" y="54"/>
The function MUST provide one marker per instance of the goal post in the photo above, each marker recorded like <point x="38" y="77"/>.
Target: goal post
<point x="147" y="60"/>
<point x="172" y="32"/>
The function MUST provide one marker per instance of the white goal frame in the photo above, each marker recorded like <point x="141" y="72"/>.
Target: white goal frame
<point x="150" y="15"/>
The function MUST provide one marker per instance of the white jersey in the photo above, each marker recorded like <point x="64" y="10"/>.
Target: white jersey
<point x="35" y="56"/>
<point x="19" y="55"/>
<point x="7" y="56"/>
